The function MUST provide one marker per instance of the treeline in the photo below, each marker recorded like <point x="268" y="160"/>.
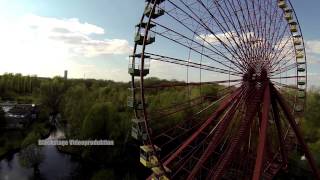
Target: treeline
<point x="13" y="84"/>
<point x="89" y="109"/>
<point x="97" y="109"/>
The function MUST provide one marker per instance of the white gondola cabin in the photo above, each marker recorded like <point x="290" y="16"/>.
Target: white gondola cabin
<point x="138" y="130"/>
<point x="282" y="4"/>
<point x="148" y="157"/>
<point x="158" y="173"/>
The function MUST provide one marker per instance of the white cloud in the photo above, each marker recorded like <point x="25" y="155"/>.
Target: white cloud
<point x="61" y="25"/>
<point x="313" y="51"/>
<point x="46" y="46"/>
<point x="73" y="35"/>
<point x="313" y="46"/>
<point x="231" y="36"/>
<point x="213" y="39"/>
<point x="313" y="58"/>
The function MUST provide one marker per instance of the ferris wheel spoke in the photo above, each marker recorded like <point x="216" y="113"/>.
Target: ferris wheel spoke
<point x="227" y="32"/>
<point x="283" y="66"/>
<point x="183" y="103"/>
<point x="261" y="45"/>
<point x="262" y="19"/>
<point x="217" y="113"/>
<point x="278" y="33"/>
<point x="276" y="44"/>
<point x="230" y="29"/>
<point x="280" y="51"/>
<point x="215" y="49"/>
<point x="186" y="126"/>
<point x="203" y="24"/>
<point x="222" y="93"/>
<point x="165" y="111"/>
<point x="256" y="28"/>
<point x="188" y="63"/>
<point x="230" y="49"/>
<point x="216" y="138"/>
<point x="190" y="104"/>
<point x="286" y="57"/>
<point x="266" y="32"/>
<point x="208" y="139"/>
<point x="248" y="31"/>
<point x="240" y="35"/>
<point x="285" y="92"/>
<point x="285" y="85"/>
<point x="275" y="33"/>
<point x="174" y="85"/>
<point x="286" y="89"/>
<point x="283" y="69"/>
<point x="202" y="145"/>
<point x="177" y="109"/>
<point x="186" y="42"/>
<point x="273" y="14"/>
<point x="246" y="28"/>
<point x="287" y="77"/>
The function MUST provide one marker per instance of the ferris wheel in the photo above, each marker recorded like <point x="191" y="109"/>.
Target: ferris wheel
<point x="218" y="88"/>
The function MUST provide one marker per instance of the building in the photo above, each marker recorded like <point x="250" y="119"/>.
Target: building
<point x="66" y="74"/>
<point x="19" y="116"/>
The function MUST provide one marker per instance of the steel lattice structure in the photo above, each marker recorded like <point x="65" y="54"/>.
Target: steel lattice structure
<point x="253" y="52"/>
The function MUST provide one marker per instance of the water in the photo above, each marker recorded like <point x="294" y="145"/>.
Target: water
<point x="55" y="166"/>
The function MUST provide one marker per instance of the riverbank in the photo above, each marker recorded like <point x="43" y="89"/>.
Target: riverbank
<point x="14" y="140"/>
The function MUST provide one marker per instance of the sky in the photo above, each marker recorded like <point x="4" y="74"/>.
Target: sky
<point x="93" y="38"/>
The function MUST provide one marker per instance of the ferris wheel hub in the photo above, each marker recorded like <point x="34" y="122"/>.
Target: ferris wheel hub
<point x="255" y="76"/>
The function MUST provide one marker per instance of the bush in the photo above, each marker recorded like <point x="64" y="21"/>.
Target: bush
<point x="100" y="122"/>
<point x="103" y="175"/>
<point x="31" y="138"/>
<point x="2" y="119"/>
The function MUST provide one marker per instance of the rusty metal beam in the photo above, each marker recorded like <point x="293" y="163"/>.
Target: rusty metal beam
<point x="216" y="139"/>
<point x="297" y="132"/>
<point x="263" y="134"/>
<point x="216" y="114"/>
<point x="253" y="102"/>
<point x="279" y="131"/>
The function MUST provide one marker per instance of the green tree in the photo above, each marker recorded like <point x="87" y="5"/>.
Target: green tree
<point x="76" y="105"/>
<point x="311" y="123"/>
<point x="51" y="93"/>
<point x="100" y="122"/>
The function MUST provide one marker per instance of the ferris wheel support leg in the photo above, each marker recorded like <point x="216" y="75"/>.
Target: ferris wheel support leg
<point x="276" y="116"/>
<point x="216" y="139"/>
<point x="263" y="134"/>
<point x="216" y="114"/>
<point x="298" y="134"/>
<point x="253" y="101"/>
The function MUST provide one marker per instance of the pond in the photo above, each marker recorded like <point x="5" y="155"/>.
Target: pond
<point x="55" y="165"/>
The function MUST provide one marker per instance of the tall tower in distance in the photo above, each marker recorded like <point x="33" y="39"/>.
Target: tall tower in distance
<point x="66" y="74"/>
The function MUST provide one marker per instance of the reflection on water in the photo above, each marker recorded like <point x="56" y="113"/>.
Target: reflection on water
<point x="55" y="166"/>
<point x="57" y="134"/>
